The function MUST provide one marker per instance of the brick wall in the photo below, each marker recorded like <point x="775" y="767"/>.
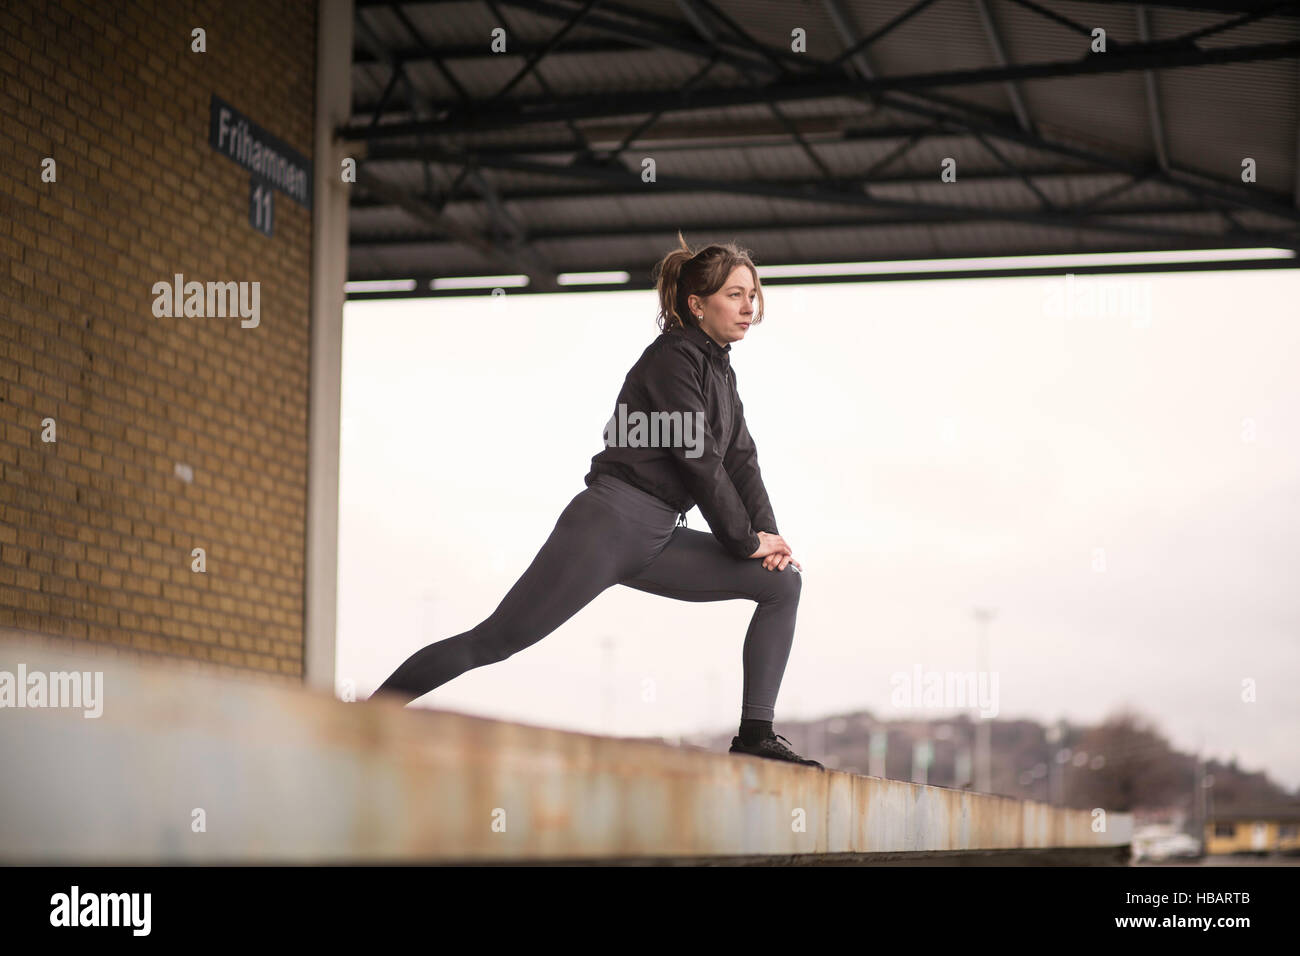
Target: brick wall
<point x="96" y="528"/>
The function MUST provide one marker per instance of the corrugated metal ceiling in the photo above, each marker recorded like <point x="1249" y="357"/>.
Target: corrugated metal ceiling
<point x="803" y="159"/>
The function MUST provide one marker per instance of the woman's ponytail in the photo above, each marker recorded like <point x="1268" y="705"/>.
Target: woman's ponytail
<point x="667" y="274"/>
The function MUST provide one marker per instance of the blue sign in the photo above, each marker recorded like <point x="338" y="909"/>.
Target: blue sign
<point x="271" y="161"/>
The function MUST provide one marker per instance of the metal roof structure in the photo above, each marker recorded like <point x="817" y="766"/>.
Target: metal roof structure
<point x="545" y="137"/>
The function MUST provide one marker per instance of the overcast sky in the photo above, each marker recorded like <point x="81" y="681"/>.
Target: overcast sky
<point x="1123" y="489"/>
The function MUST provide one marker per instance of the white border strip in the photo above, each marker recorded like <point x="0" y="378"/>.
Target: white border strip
<point x="905" y="266"/>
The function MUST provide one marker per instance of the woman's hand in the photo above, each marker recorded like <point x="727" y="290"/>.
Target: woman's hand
<point x="776" y="554"/>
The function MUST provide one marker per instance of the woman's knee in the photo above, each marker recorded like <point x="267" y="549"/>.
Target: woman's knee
<point x="783" y="585"/>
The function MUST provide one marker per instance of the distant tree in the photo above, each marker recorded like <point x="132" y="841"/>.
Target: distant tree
<point x="1140" y="769"/>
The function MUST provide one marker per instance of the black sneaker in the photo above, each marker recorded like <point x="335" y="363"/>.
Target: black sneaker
<point x="772" y="748"/>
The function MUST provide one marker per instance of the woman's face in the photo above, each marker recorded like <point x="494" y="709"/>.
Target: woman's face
<point x="727" y="313"/>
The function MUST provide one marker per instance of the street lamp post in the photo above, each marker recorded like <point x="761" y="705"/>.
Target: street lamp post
<point x="983" y="729"/>
<point x="1055" y="735"/>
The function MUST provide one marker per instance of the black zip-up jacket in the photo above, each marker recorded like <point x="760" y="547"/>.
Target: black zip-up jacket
<point x="716" y="466"/>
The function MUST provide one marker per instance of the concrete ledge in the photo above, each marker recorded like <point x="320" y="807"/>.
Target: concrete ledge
<point x="1049" y="856"/>
<point x="292" y="775"/>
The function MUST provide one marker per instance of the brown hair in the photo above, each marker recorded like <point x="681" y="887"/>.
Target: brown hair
<point x="684" y="273"/>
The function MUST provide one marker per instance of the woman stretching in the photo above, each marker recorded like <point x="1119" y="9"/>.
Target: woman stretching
<point x="677" y="438"/>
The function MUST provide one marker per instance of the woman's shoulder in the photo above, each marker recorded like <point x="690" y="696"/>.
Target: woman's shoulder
<point x="669" y="347"/>
<point x="667" y="355"/>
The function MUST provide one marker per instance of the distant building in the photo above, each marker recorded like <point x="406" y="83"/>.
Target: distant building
<point x="1273" y="829"/>
<point x="1172" y="816"/>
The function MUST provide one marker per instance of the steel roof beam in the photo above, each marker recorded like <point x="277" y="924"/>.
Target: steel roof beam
<point x="639" y="131"/>
<point x="519" y="258"/>
<point x="372" y="39"/>
<point x="643" y="34"/>
<point x="697" y="21"/>
<point x="1206" y="6"/>
<point x="1217" y="6"/>
<point x="861" y="45"/>
<point x="431" y="54"/>
<point x="479" y="51"/>
<point x="716" y="226"/>
<point x="1176" y="177"/>
<point x="822" y="193"/>
<point x="453" y="118"/>
<point x="859" y="59"/>
<point x="991" y="125"/>
<point x="988" y="128"/>
<point x="636" y="103"/>
<point x="1043" y="201"/>
<point x="1059" y="19"/>
<point x="381" y="152"/>
<point x="1226" y="25"/>
<point x="872" y="176"/>
<point x="540" y="273"/>
<point x="541" y="81"/>
<point x="1270" y="203"/>
<point x="396" y="73"/>
<point x="538" y="55"/>
<point x="1106" y="195"/>
<point x="1017" y="103"/>
<point x="636" y="187"/>
<point x="1153" y="95"/>
<point x="1000" y="55"/>
<point x="855" y="52"/>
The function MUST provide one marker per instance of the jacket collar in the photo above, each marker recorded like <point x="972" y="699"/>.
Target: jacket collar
<point x="719" y="353"/>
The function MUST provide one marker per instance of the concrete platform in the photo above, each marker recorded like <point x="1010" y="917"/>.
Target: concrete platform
<point x="186" y="767"/>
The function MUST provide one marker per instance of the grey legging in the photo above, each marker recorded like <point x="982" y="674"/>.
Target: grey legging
<point x="615" y="533"/>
